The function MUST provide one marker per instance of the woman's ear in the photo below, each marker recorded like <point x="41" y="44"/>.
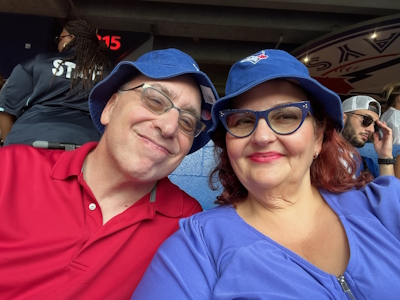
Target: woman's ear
<point x="108" y="109"/>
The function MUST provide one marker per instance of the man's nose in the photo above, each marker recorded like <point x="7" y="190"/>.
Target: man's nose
<point x="169" y="122"/>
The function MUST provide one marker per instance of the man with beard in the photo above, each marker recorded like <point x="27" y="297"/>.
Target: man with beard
<point x="361" y="118"/>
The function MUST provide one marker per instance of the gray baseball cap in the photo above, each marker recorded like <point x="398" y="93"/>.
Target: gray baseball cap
<point x="361" y="102"/>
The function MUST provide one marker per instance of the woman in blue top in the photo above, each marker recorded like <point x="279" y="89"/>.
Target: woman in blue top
<point x="45" y="98"/>
<point x="292" y="223"/>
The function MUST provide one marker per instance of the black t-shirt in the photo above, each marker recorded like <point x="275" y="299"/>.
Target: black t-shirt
<point x="38" y="94"/>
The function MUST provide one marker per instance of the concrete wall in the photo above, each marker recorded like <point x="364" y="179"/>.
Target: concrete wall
<point x="192" y="176"/>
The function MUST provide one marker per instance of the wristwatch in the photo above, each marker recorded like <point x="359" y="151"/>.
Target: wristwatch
<point x="387" y="161"/>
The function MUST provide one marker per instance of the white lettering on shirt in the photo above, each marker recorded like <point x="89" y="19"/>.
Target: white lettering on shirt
<point x="58" y="69"/>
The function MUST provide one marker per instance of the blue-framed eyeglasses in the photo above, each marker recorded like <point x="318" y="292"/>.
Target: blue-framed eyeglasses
<point x="159" y="103"/>
<point x="283" y="119"/>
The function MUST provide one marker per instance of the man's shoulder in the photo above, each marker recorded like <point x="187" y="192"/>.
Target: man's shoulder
<point x="173" y="201"/>
<point x="391" y="111"/>
<point x="22" y="160"/>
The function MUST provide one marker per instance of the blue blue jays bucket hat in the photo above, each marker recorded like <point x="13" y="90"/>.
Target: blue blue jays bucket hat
<point x="267" y="65"/>
<point x="157" y="64"/>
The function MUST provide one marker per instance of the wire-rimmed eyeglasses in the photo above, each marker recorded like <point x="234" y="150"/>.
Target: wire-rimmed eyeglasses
<point x="159" y="103"/>
<point x="366" y="121"/>
<point x="57" y="39"/>
<point x="283" y="119"/>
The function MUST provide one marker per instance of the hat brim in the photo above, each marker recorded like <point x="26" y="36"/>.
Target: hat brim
<point x="328" y="99"/>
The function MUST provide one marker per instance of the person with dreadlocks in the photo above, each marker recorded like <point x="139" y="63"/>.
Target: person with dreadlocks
<point x="45" y="98"/>
<point x="1" y="81"/>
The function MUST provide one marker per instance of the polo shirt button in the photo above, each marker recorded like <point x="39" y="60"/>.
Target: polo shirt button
<point x="92" y="206"/>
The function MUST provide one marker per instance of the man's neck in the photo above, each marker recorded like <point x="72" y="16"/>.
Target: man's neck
<point x="114" y="191"/>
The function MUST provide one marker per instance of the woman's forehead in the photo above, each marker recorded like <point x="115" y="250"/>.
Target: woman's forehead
<point x="64" y="32"/>
<point x="277" y="90"/>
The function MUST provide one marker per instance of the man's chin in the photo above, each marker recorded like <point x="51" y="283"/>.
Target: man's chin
<point x="359" y="144"/>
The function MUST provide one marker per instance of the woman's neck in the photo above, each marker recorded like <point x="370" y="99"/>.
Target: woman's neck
<point x="274" y="212"/>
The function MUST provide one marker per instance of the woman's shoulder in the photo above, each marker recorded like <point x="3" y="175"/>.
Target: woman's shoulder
<point x="46" y="58"/>
<point x="378" y="197"/>
<point x="382" y="186"/>
<point x="378" y="202"/>
<point x="221" y="225"/>
<point x="218" y="214"/>
<point x="378" y="188"/>
<point x="54" y="55"/>
<point x="210" y="223"/>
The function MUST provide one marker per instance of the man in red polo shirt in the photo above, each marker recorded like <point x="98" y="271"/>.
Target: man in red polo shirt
<point x="84" y="224"/>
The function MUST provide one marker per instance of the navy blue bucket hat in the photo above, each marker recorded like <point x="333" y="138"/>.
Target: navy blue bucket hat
<point x="275" y="64"/>
<point x="158" y="64"/>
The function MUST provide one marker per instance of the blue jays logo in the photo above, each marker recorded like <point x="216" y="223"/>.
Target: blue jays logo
<point x="255" y="58"/>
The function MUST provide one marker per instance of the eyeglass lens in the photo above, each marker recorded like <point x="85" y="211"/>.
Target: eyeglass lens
<point x="158" y="103"/>
<point x="57" y="39"/>
<point x="282" y="120"/>
<point x="367" y="121"/>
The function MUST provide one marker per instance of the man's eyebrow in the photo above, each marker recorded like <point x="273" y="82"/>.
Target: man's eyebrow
<point x="372" y="117"/>
<point x="172" y="95"/>
<point x="368" y="114"/>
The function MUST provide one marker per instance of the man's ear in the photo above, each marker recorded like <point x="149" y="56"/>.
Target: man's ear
<point x="108" y="109"/>
<point x="344" y="118"/>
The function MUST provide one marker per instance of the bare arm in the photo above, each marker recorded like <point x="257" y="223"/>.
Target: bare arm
<point x="384" y="148"/>
<point x="6" y="122"/>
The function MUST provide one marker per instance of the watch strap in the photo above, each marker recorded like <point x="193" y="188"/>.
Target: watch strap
<point x="387" y="161"/>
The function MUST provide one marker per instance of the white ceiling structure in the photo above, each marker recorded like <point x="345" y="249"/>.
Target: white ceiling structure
<point x="216" y="32"/>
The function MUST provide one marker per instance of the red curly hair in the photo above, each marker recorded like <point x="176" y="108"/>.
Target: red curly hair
<point x="333" y="170"/>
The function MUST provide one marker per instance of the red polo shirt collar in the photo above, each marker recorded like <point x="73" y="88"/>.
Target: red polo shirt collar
<point x="70" y="164"/>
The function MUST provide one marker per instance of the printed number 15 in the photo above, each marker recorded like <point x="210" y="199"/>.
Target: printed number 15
<point x="112" y="42"/>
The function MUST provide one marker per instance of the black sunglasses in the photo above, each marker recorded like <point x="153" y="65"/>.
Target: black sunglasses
<point x="57" y="39"/>
<point x="366" y="121"/>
